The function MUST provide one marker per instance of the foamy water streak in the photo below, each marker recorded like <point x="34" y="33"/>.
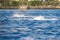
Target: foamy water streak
<point x="43" y="18"/>
<point x="33" y="17"/>
<point x="18" y="15"/>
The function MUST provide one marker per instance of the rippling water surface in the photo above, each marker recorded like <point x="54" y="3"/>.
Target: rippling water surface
<point x="32" y="24"/>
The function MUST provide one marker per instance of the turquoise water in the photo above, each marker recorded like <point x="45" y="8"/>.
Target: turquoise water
<point x="32" y="24"/>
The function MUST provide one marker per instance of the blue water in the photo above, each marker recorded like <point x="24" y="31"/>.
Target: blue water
<point x="16" y="24"/>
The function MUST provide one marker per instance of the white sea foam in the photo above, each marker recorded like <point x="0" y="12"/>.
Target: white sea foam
<point x="25" y="29"/>
<point x="43" y="18"/>
<point x="39" y="18"/>
<point x="18" y="15"/>
<point x="22" y="16"/>
<point x="27" y="38"/>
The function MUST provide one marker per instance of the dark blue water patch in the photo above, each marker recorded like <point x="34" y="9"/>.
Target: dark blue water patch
<point x="5" y="13"/>
<point x="29" y="29"/>
<point x="32" y="12"/>
<point x="43" y="12"/>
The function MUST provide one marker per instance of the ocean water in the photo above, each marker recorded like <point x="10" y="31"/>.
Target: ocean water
<point x="31" y="24"/>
